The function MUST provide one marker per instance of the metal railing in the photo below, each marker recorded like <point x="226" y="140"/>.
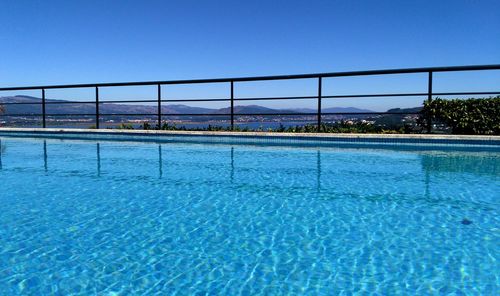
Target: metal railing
<point x="429" y="94"/>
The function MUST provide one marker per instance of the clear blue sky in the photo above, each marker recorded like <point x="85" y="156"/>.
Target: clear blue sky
<point x="59" y="42"/>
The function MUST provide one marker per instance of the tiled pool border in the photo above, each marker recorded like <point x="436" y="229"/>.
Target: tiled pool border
<point x="258" y="137"/>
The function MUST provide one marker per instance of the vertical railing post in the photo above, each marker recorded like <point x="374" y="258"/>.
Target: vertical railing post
<point x="319" y="102"/>
<point x="97" y="107"/>
<point x="160" y="161"/>
<point x="44" y="115"/>
<point x="0" y="154"/>
<point x="232" y="105"/>
<point x="159" y="106"/>
<point x="429" y="100"/>
<point x="98" y="150"/>
<point x="45" y="157"/>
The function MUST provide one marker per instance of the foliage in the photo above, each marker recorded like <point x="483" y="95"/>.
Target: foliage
<point x="146" y="126"/>
<point x="340" y="127"/>
<point x="470" y="116"/>
<point x="403" y="121"/>
<point x="127" y="126"/>
<point x="2" y="109"/>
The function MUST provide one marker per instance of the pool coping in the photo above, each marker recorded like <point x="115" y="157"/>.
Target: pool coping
<point x="61" y="131"/>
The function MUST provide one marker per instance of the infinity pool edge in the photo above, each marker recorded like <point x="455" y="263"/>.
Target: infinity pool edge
<point x="258" y="137"/>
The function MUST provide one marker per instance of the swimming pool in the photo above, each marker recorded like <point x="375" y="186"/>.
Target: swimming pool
<point x="110" y="217"/>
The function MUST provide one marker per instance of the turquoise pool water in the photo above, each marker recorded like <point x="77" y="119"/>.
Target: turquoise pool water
<point x="113" y="218"/>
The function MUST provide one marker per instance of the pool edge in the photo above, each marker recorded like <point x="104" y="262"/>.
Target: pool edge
<point x="291" y="138"/>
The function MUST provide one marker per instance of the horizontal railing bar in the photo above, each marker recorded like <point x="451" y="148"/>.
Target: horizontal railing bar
<point x="18" y="115"/>
<point x="266" y="78"/>
<point x="129" y="114"/>
<point x="292" y="114"/>
<point x="412" y="94"/>
<point x="183" y="114"/>
<point x="195" y="100"/>
<point x="263" y="98"/>
<point x="20" y="103"/>
<point x="228" y="114"/>
<point x="375" y="95"/>
<point x="322" y="113"/>
<point x="465" y="93"/>
<point x="79" y="114"/>
<point x="69" y="114"/>
<point x="126" y="101"/>
<point x="21" y="115"/>
<point x="276" y="98"/>
<point x="48" y="103"/>
<point x="69" y="102"/>
<point x="277" y="114"/>
<point x="335" y="96"/>
<point x="369" y="113"/>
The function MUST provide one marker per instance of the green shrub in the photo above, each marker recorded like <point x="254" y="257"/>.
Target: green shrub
<point x="339" y="127"/>
<point x="127" y="126"/>
<point x="146" y="126"/>
<point x="470" y="116"/>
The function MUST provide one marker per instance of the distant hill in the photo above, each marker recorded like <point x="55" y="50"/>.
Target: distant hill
<point x="65" y="107"/>
<point x="405" y="110"/>
<point x="179" y="108"/>
<point x="333" y="110"/>
<point x="253" y="109"/>
<point x="395" y="121"/>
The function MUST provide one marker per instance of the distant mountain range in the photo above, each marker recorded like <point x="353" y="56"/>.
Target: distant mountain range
<point x="65" y="107"/>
